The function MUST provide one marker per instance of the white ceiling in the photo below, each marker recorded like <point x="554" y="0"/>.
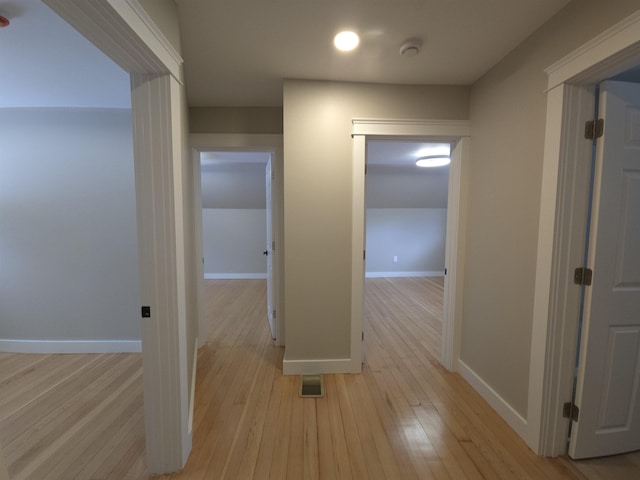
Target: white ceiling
<point x="400" y="153"/>
<point x="238" y="52"/>
<point x="46" y="63"/>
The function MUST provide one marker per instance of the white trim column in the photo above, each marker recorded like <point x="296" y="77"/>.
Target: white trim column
<point x="168" y="441"/>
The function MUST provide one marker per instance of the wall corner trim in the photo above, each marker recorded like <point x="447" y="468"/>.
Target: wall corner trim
<point x="420" y="127"/>
<point x="317" y="366"/>
<point x="235" y="276"/>
<point x="155" y="31"/>
<point x="438" y="273"/>
<point x="595" y="57"/>
<point x="70" y="346"/>
<point x="499" y="404"/>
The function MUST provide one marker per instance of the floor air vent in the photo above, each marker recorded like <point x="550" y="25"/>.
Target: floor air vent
<point x="311" y="386"/>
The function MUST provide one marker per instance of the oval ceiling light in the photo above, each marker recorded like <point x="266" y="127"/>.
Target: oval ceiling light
<point x="346" y="41"/>
<point x="433" y="161"/>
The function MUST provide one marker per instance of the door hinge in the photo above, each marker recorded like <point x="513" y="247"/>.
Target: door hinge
<point x="274" y="313"/>
<point x="364" y="254"/>
<point x="582" y="276"/>
<point x="365" y="168"/>
<point x="363" y="336"/>
<point x="570" y="410"/>
<point x="594" y="129"/>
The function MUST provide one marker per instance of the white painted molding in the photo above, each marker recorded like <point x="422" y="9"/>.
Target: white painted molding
<point x="499" y="404"/>
<point x="439" y="273"/>
<point x="235" y="276"/>
<point x="454" y="256"/>
<point x="610" y="52"/>
<point x="70" y="346"/>
<point x="358" y="238"/>
<point x="317" y="367"/>
<point x="192" y="395"/>
<point x="116" y="28"/>
<point x="155" y="31"/>
<point x="437" y="128"/>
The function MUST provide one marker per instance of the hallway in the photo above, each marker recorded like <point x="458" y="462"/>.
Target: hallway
<point x="405" y="417"/>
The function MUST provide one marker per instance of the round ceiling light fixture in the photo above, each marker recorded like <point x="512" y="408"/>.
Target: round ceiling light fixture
<point x="411" y="47"/>
<point x="433" y="161"/>
<point x="346" y="41"/>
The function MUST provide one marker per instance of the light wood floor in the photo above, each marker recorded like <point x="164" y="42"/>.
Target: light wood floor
<point x="72" y="416"/>
<point x="67" y="416"/>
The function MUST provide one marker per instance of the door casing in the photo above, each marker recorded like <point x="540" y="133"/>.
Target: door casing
<point x="458" y="132"/>
<point x="563" y="212"/>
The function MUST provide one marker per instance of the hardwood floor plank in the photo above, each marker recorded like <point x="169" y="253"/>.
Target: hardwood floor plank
<point x="340" y="464"/>
<point x="404" y="418"/>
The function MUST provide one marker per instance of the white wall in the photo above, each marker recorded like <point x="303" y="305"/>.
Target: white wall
<point x="68" y="257"/>
<point x="415" y="235"/>
<point x="233" y="242"/>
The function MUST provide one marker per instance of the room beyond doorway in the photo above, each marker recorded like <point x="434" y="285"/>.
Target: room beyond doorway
<point x="237" y="220"/>
<point x="406" y="232"/>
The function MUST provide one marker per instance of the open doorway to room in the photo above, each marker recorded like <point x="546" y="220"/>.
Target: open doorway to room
<point x="405" y="233"/>
<point x="237" y="229"/>
<point x="70" y="336"/>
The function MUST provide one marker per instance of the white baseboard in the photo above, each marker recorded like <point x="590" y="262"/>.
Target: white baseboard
<point x="404" y="274"/>
<point x="235" y="276"/>
<point x="499" y="404"/>
<point x="70" y="346"/>
<point x="316" y="367"/>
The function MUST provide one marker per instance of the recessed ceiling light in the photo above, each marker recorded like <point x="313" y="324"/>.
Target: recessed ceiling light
<point x="434" y="161"/>
<point x="346" y="41"/>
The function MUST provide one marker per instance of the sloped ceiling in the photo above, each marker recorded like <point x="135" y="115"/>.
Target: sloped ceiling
<point x="46" y="63"/>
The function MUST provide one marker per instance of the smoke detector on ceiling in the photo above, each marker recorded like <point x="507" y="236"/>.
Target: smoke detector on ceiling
<point x="411" y="47"/>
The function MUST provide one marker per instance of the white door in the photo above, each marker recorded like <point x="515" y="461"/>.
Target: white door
<point x="607" y="392"/>
<point x="269" y="253"/>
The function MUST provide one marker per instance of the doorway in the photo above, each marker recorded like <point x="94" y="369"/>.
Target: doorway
<point x="237" y="219"/>
<point x="405" y="232"/>
<point x="457" y="133"/>
<point x="235" y="144"/>
<point x="570" y="101"/>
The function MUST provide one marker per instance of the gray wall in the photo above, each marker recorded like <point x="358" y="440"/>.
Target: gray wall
<point x="407" y="218"/>
<point x="415" y="235"/>
<point x="266" y="120"/>
<point x="397" y="187"/>
<point x="240" y="185"/>
<point x="508" y="107"/>
<point x="233" y="241"/>
<point x="317" y="198"/>
<point x="69" y="268"/>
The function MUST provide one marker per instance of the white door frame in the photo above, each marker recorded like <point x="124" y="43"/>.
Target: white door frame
<point x="124" y="32"/>
<point x="459" y="132"/>
<point x="561" y="235"/>
<point x="203" y="142"/>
